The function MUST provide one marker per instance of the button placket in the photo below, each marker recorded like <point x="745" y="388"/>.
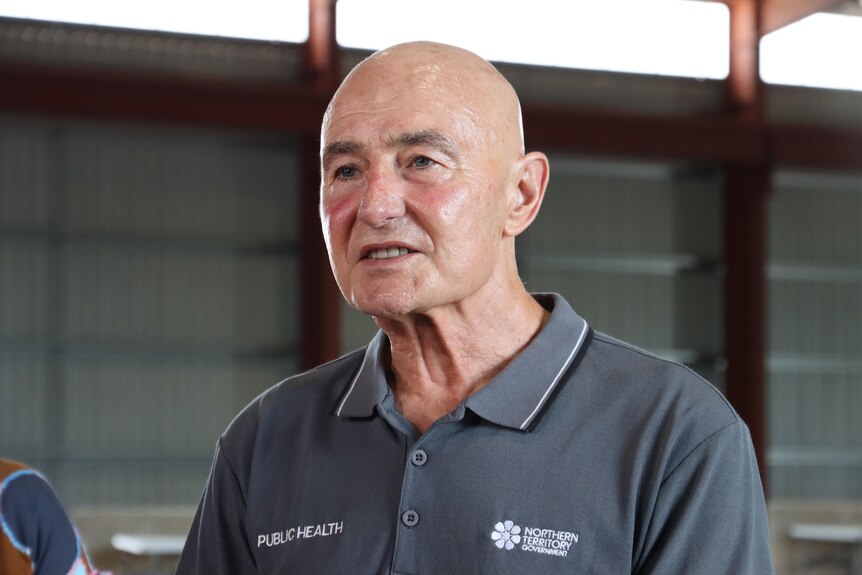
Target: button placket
<point x="418" y="458"/>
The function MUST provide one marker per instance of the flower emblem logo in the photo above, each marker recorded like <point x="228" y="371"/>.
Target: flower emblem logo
<point x="506" y="535"/>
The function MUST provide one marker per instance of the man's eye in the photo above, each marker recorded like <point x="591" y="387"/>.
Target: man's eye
<point x="345" y="172"/>
<point x="422" y="162"/>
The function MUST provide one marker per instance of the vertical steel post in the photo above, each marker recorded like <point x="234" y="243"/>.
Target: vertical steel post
<point x="319" y="298"/>
<point x="746" y="193"/>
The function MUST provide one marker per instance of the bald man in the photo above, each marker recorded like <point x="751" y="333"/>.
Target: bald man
<point x="484" y="429"/>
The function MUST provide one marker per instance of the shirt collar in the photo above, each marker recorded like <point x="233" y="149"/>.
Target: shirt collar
<point x="368" y="387"/>
<point x="515" y="397"/>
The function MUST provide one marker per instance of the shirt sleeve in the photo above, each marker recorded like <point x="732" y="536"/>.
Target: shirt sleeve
<point x="710" y="514"/>
<point x="39" y="526"/>
<point x="217" y="543"/>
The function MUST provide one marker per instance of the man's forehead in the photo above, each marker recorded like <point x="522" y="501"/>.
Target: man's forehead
<point x="405" y="119"/>
<point x="415" y="88"/>
<point x="411" y="106"/>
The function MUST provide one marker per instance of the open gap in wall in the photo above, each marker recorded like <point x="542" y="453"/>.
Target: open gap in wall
<point x="818" y="51"/>
<point x="668" y="37"/>
<point x="254" y="19"/>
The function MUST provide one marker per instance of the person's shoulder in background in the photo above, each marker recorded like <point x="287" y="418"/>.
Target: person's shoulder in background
<point x="37" y="536"/>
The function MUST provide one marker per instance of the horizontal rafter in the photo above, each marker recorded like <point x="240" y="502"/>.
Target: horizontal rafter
<point x="113" y="95"/>
<point x="106" y="94"/>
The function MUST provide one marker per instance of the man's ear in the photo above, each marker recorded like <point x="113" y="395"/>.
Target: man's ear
<point x="533" y="177"/>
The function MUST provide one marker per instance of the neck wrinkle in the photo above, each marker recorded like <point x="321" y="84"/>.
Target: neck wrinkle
<point x="448" y="355"/>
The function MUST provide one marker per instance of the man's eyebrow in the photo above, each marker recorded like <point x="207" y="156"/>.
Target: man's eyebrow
<point x="338" y="148"/>
<point x="429" y="137"/>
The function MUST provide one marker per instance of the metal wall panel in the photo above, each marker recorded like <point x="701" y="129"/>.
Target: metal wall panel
<point x="64" y="44"/>
<point x="26" y="153"/>
<point x="126" y="406"/>
<point x="815" y="482"/>
<point x="176" y="185"/>
<point x="798" y="104"/>
<point x="816" y="218"/>
<point x="815" y="318"/>
<point x="617" y="207"/>
<point x="815" y="335"/>
<point x="661" y="313"/>
<point x="161" y="481"/>
<point x="25" y="289"/>
<point x="634" y="247"/>
<point x="167" y="296"/>
<point x="147" y="292"/>
<point x="24" y="401"/>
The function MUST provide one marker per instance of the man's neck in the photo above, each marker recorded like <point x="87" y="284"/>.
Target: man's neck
<point x="441" y="358"/>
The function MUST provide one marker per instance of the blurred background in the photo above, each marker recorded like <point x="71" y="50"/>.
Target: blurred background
<point x="161" y="261"/>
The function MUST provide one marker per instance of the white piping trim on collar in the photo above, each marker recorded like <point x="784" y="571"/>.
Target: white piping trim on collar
<point x="557" y="378"/>
<point x="352" y="385"/>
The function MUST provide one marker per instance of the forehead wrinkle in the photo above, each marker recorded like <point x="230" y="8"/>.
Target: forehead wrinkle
<point x="341" y="147"/>
<point x="429" y="137"/>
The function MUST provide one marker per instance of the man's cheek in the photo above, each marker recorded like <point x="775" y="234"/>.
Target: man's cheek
<point x="337" y="214"/>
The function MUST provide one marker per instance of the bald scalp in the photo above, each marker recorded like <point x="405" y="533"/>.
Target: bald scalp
<point x="481" y="92"/>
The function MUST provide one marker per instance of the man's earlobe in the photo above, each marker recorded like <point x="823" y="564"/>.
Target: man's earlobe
<point x="533" y="180"/>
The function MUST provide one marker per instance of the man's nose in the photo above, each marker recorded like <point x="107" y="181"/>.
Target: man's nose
<point x="383" y="198"/>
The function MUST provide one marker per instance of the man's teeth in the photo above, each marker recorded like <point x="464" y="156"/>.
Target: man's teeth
<point x="385" y="253"/>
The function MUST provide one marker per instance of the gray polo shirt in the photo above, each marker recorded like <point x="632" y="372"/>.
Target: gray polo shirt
<point x="584" y="455"/>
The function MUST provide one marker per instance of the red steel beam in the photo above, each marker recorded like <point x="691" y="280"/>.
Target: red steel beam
<point x="746" y="198"/>
<point x="114" y="95"/>
<point x="123" y="96"/>
<point x="746" y="192"/>
<point x="708" y="139"/>
<point x="814" y="147"/>
<point x="321" y="50"/>
<point x="319" y="297"/>
<point x="743" y="88"/>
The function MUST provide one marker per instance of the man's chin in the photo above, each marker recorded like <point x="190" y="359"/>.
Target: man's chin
<point x="384" y="307"/>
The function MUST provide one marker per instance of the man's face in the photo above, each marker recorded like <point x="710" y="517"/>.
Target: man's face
<point x="413" y="196"/>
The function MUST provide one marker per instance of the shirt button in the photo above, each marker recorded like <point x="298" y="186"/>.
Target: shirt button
<point x="419" y="458"/>
<point x="410" y="518"/>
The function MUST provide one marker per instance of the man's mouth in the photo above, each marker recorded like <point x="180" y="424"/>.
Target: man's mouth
<point x="386" y="253"/>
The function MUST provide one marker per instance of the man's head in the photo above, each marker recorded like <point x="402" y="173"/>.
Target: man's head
<point x="425" y="182"/>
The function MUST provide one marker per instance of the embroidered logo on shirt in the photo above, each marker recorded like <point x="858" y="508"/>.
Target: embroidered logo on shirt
<point x="506" y="535"/>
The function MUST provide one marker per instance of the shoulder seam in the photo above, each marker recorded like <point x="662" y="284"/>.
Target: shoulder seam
<point x="705" y="440"/>
<point x="634" y="349"/>
<point x="230" y="466"/>
<point x="346" y="357"/>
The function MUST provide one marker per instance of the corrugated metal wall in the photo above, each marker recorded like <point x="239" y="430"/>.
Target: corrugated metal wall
<point x="815" y="363"/>
<point x="633" y="247"/>
<point x="140" y="50"/>
<point x="147" y="292"/>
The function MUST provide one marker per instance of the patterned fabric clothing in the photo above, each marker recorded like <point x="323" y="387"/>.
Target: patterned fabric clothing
<point x="37" y="537"/>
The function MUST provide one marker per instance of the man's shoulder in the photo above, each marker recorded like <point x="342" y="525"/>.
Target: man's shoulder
<point x="318" y="380"/>
<point x="310" y="393"/>
<point x="660" y="389"/>
<point x="619" y="360"/>
<point x="662" y="400"/>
